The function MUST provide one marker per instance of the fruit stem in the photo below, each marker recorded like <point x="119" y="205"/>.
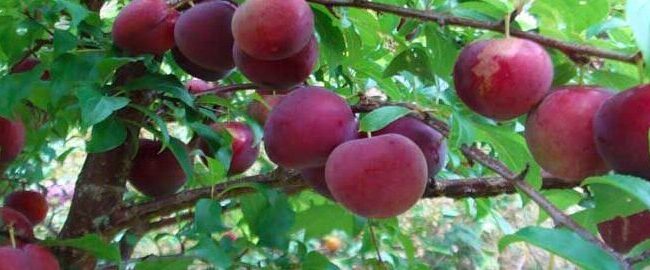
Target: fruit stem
<point x="12" y="235"/>
<point x="581" y="75"/>
<point x="507" y="24"/>
<point x="640" y="66"/>
<point x="373" y="238"/>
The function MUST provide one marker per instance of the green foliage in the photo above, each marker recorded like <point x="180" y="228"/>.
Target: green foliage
<point x="93" y="244"/>
<point x="81" y="110"/>
<point x="564" y="243"/>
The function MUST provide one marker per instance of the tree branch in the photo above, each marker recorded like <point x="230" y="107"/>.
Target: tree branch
<point x="139" y="215"/>
<point x="556" y="214"/>
<point x="571" y="49"/>
<point x="227" y="89"/>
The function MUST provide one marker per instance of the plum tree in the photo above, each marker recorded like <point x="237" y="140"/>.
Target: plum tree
<point x="621" y="130"/>
<point x="315" y="177"/>
<point x="306" y="126"/>
<point x="278" y="74"/>
<point x="32" y="204"/>
<point x="196" y="70"/>
<point x="196" y="86"/>
<point x="23" y="228"/>
<point x="28" y="257"/>
<point x="260" y="110"/>
<point x="244" y="149"/>
<point x="378" y="177"/>
<point x="623" y="233"/>
<point x="145" y="26"/>
<point x="156" y="173"/>
<point x="503" y="78"/>
<point x="560" y="133"/>
<point x="430" y="141"/>
<point x="203" y="34"/>
<point x="12" y="139"/>
<point x="272" y="29"/>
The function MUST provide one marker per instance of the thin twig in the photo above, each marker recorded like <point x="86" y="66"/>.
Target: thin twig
<point x="227" y="89"/>
<point x="498" y="26"/>
<point x="560" y="218"/>
<point x="640" y="258"/>
<point x="373" y="238"/>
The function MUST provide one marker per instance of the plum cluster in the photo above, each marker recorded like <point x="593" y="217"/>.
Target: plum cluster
<point x="573" y="132"/>
<point x="313" y="130"/>
<point x="271" y="42"/>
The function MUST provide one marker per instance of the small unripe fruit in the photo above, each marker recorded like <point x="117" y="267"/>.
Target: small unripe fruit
<point x="623" y="233"/>
<point x="306" y="126"/>
<point x="272" y="29"/>
<point x="332" y="244"/>
<point x="430" y="141"/>
<point x="145" y="26"/>
<point x="203" y="34"/>
<point x="560" y="132"/>
<point x="260" y="111"/>
<point x="156" y="173"/>
<point x="32" y="204"/>
<point x="278" y="74"/>
<point x="378" y="177"/>
<point x="503" y="78"/>
<point x="12" y="139"/>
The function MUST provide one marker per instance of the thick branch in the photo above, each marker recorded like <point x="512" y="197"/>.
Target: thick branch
<point x="142" y="213"/>
<point x="568" y="48"/>
<point x="291" y="182"/>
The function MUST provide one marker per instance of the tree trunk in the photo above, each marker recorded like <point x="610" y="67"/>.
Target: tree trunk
<point x="102" y="181"/>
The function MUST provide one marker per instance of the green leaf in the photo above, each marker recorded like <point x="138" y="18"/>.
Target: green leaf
<point x="634" y="187"/>
<point x="77" y="11"/>
<point x="269" y="216"/>
<point x="562" y="199"/>
<point x="338" y="219"/>
<point x="332" y="44"/>
<point x="180" y="152"/>
<point x="565" y="244"/>
<point x="316" y="261"/>
<point x="96" y="107"/>
<point x="17" y="87"/>
<point x="165" y="264"/>
<point x="64" y="41"/>
<point x="160" y="123"/>
<point x="414" y="60"/>
<point x="381" y="118"/>
<point x="208" y="250"/>
<point x="165" y="83"/>
<point x="636" y="13"/>
<point x="91" y="243"/>
<point x="208" y="216"/>
<point x="106" y="136"/>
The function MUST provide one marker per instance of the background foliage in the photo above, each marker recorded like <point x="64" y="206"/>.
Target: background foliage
<point x="362" y="51"/>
